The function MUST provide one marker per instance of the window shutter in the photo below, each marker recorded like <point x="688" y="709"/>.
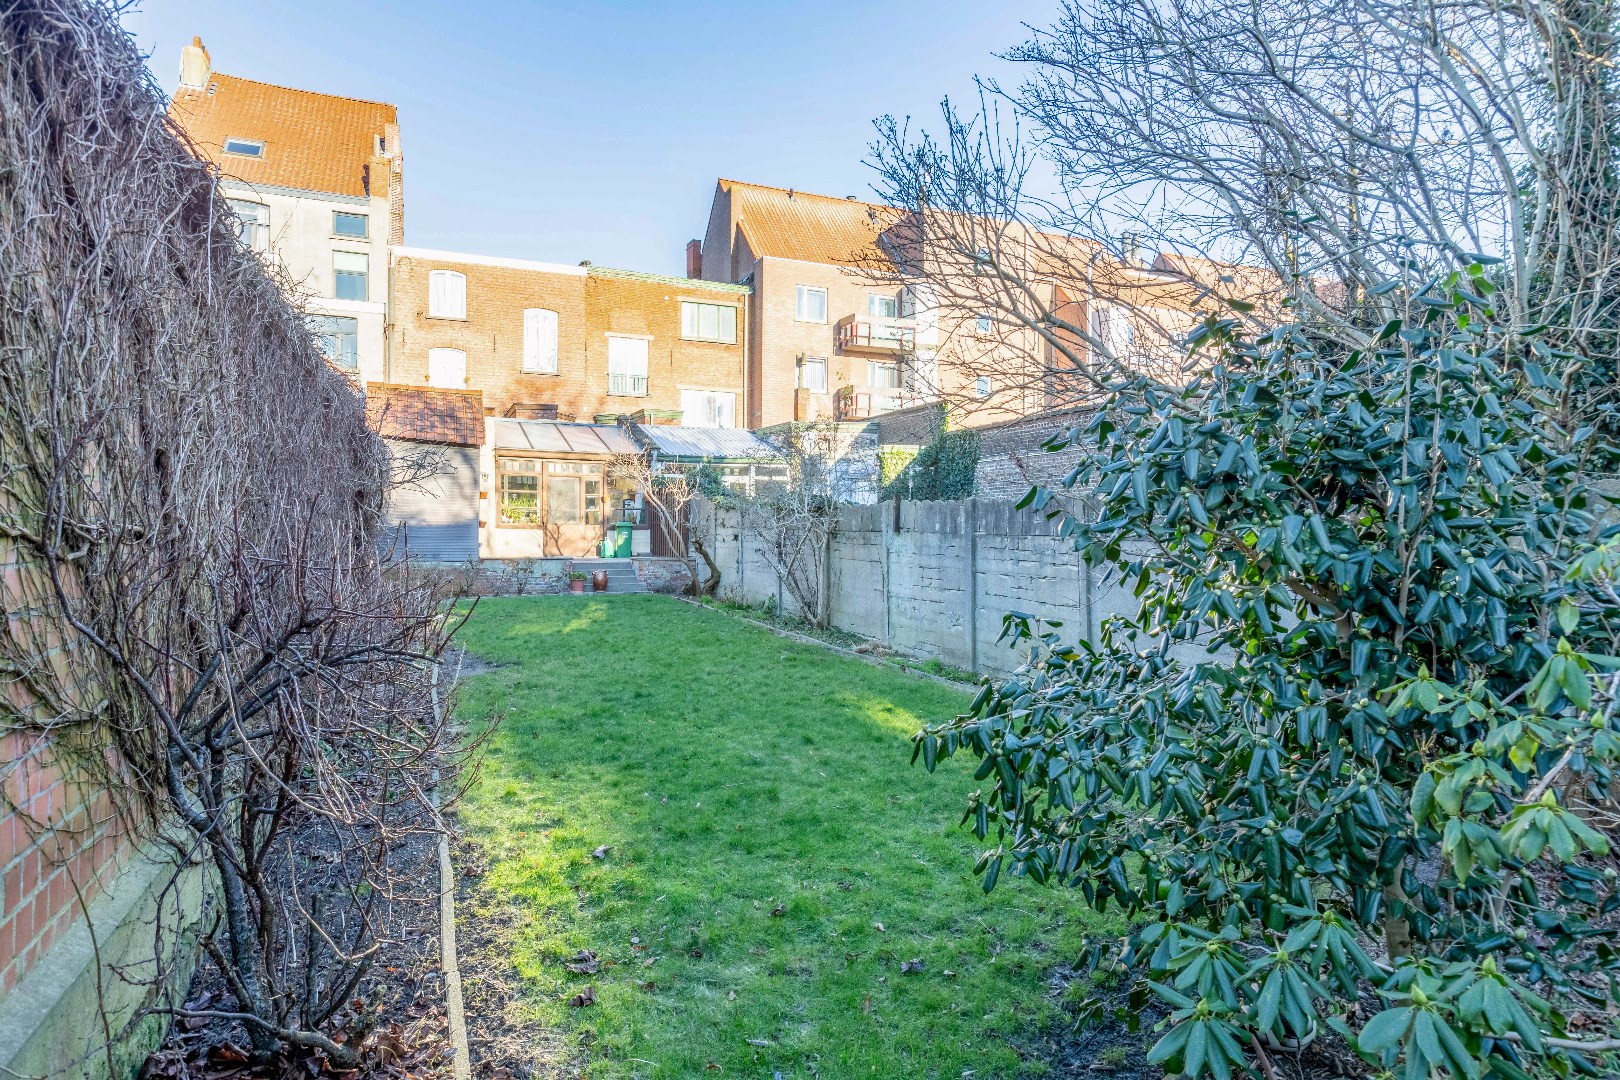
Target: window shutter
<point x="447" y="294"/>
<point x="540" y="341"/>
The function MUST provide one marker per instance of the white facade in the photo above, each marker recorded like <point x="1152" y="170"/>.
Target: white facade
<point x="303" y="237"/>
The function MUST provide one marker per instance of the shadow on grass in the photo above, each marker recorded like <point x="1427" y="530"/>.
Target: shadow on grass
<point x="771" y="861"/>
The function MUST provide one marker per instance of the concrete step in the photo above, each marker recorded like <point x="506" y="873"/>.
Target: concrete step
<point x="622" y="577"/>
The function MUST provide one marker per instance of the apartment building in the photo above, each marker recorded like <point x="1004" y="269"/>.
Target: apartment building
<point x="546" y="341"/>
<point x="316" y="183"/>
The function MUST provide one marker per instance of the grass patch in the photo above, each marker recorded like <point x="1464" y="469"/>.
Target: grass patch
<point x="773" y="860"/>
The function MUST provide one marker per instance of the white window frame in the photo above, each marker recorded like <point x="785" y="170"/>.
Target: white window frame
<point x="539" y="341"/>
<point x="622" y="375"/>
<point x="692" y="329"/>
<point x="719" y="406"/>
<point x="447" y="294"/>
<point x="365" y="221"/>
<point x="255" y="234"/>
<point x="804" y="363"/>
<point x="446" y="355"/>
<point x="338" y="255"/>
<point x="891" y="382"/>
<point x="800" y="293"/>
<point x="875" y="300"/>
<point x="982" y="386"/>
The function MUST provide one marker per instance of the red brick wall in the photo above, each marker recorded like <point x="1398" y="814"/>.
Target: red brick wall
<point x="588" y="307"/>
<point x="60" y="840"/>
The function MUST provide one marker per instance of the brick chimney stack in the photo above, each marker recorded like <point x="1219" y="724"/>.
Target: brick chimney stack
<point x="694" y="259"/>
<point x="194" y="65"/>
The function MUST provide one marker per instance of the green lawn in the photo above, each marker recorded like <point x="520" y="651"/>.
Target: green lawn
<point x="774" y="858"/>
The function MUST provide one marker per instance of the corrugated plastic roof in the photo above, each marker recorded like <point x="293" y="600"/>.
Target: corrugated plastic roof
<point x="812" y="228"/>
<point x="313" y="142"/>
<point x="557" y="437"/>
<point x="713" y="443"/>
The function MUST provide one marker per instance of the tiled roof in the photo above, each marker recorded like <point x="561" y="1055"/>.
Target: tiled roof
<point x="422" y="414"/>
<point x="314" y="142"/>
<point x="787" y="224"/>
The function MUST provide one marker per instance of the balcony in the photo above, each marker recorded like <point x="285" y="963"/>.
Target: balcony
<point x="867" y="402"/>
<point x="626" y="385"/>
<point x="856" y="333"/>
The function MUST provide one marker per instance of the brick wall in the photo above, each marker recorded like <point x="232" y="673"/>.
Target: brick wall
<point x="60" y="840"/>
<point x="1012" y="457"/>
<point x="589" y="305"/>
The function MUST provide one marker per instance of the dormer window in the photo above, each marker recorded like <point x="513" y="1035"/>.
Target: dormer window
<point x="252" y="148"/>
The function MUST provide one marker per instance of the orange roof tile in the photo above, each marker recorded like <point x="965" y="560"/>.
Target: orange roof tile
<point x="787" y="224"/>
<point x="314" y="142"/>
<point x="421" y="414"/>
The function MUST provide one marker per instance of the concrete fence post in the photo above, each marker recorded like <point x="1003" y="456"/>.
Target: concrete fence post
<point x="887" y="527"/>
<point x="973" y="584"/>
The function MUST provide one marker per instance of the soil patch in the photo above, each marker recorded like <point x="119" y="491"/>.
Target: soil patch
<point x="404" y="990"/>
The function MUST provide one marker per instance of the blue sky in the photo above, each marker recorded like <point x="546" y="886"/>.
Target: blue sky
<point x="564" y="132"/>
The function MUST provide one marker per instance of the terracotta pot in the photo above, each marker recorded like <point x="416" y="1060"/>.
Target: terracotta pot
<point x="576" y="585"/>
<point x="599" y="580"/>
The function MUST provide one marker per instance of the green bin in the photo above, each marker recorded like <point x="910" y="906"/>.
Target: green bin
<point x="623" y="531"/>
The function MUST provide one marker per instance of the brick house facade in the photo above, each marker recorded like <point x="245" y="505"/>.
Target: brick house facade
<point x="548" y="341"/>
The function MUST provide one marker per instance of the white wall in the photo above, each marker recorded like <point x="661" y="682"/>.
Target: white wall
<point x="301" y="244"/>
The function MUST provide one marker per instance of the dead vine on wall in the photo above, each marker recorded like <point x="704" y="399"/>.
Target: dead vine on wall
<point x="189" y="501"/>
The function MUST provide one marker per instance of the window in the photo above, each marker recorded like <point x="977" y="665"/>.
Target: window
<point x="810" y="303"/>
<point x="882" y="307"/>
<point x="355" y="225"/>
<point x="350" y="271"/>
<point x="627" y="366"/>
<point x="982" y="325"/>
<point x="886" y="376"/>
<point x="339" y="340"/>
<point x="1111" y="325"/>
<point x="709" y="322"/>
<point x="447" y="369"/>
<point x="540" y="341"/>
<point x="519" y="491"/>
<point x="572" y="492"/>
<point x="244" y="147"/>
<point x="447" y="295"/>
<point x="981" y="386"/>
<point x="708" y="409"/>
<point x="813" y="374"/>
<point x="252" y="223"/>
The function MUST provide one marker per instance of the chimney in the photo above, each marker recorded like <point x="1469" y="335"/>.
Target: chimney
<point x="694" y="259"/>
<point x="194" y="66"/>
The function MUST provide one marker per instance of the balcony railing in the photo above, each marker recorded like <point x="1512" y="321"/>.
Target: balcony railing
<point x="863" y="404"/>
<point x="627" y="385"/>
<point x="857" y="333"/>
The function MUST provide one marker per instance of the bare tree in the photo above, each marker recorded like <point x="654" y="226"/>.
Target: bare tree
<point x="1311" y="162"/>
<point x="192" y="499"/>
<point x="794" y="519"/>
<point x="669" y="491"/>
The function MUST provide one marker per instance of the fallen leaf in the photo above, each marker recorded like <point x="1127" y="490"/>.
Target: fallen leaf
<point x="601" y="852"/>
<point x="650" y="961"/>
<point x="731" y="995"/>
<point x="647" y="987"/>
<point x="878" y="927"/>
<point x="226" y="1052"/>
<point x="760" y="1042"/>
<point x="846" y="885"/>
<point x="585" y="997"/>
<point x="779" y="910"/>
<point x="712" y="1066"/>
<point x="911" y="967"/>
<point x="866" y="1005"/>
<point x="586" y="967"/>
<point x="584" y="955"/>
<point x="949" y="974"/>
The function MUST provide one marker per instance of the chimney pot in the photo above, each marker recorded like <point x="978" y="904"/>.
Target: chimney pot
<point x="694" y="259"/>
<point x="195" y="67"/>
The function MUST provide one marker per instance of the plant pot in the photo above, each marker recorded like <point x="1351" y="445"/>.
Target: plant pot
<point x="599" y="580"/>
<point x="576" y="585"/>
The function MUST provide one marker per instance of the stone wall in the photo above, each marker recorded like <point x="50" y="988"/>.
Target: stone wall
<point x="933" y="579"/>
